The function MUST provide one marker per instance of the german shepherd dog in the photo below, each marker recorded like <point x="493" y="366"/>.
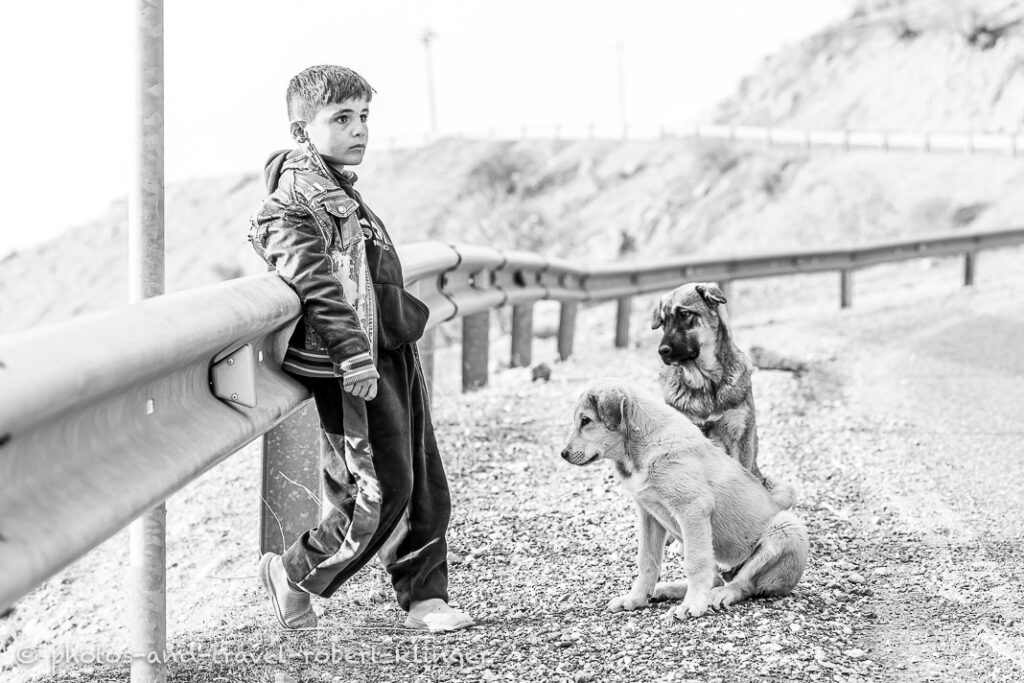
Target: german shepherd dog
<point x="687" y="487"/>
<point x="707" y="378"/>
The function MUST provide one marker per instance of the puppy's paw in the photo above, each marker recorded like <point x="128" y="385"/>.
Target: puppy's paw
<point x="723" y="596"/>
<point x="669" y="590"/>
<point x="627" y="602"/>
<point x="694" y="605"/>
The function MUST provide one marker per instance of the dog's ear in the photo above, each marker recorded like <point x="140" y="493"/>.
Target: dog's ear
<point x="610" y="406"/>
<point x="711" y="293"/>
<point x="658" y="319"/>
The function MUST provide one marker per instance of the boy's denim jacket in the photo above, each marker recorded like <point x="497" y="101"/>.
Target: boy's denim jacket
<point x="308" y="230"/>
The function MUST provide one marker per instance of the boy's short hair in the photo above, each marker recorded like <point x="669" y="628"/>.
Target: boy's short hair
<point x="316" y="87"/>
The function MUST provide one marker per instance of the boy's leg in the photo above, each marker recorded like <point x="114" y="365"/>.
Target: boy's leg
<point x="365" y="494"/>
<point x="416" y="555"/>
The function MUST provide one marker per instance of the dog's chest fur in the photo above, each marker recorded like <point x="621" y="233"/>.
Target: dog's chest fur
<point x="637" y="486"/>
<point x="704" y="394"/>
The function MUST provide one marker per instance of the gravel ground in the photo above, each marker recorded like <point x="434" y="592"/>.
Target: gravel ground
<point x="905" y="581"/>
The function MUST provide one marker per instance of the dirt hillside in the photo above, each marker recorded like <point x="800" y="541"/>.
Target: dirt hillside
<point x="617" y="200"/>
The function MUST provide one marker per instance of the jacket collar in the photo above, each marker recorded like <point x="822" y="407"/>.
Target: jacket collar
<point x="307" y="159"/>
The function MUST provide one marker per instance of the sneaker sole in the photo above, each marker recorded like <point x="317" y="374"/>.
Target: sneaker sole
<point x="418" y="625"/>
<point x="268" y="586"/>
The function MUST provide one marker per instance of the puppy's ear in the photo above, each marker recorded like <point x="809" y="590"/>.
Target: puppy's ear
<point x="610" y="406"/>
<point x="711" y="293"/>
<point x="657" y="320"/>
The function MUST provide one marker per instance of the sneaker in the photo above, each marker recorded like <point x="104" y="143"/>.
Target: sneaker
<point x="291" y="606"/>
<point x="436" y="615"/>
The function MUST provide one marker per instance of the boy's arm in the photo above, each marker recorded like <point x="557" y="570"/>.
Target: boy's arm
<point x="292" y="243"/>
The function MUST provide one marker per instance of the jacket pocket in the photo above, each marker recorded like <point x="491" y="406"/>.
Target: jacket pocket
<point x="343" y="208"/>
<point x="403" y="317"/>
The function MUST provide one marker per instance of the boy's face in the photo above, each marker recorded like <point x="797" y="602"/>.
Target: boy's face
<point x="339" y="131"/>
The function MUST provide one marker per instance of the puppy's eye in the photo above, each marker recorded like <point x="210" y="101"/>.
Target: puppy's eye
<point x="584" y="421"/>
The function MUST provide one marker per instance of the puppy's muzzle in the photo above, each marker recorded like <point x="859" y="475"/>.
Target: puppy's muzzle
<point x="567" y="455"/>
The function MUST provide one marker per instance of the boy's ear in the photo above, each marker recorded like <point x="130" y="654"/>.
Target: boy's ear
<point x="298" y="131"/>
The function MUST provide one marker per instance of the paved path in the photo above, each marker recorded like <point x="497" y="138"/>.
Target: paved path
<point x="934" y="398"/>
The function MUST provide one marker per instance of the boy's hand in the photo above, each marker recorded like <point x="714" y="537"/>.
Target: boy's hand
<point x="365" y="389"/>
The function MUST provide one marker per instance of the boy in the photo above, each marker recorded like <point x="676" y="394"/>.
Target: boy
<point x="355" y="350"/>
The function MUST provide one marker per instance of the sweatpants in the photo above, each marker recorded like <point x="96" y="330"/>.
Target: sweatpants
<point x="385" y="487"/>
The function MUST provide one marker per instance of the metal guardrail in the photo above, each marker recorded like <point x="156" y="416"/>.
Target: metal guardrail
<point x="109" y="414"/>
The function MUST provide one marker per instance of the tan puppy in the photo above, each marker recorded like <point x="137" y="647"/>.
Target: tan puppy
<point x="707" y="377"/>
<point x="687" y="487"/>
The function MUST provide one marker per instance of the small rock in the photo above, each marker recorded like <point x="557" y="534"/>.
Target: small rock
<point x="854" y="577"/>
<point x="795" y="628"/>
<point x="584" y="677"/>
<point x="882" y="571"/>
<point x="540" y="371"/>
<point x="856" y="654"/>
<point x="455" y="558"/>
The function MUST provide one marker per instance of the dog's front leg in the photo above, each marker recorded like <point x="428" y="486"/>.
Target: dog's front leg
<point x="699" y="561"/>
<point x="648" y="559"/>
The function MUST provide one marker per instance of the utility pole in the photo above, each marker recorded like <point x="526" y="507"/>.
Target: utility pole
<point x="428" y="37"/>
<point x="620" y="60"/>
<point x="147" y="561"/>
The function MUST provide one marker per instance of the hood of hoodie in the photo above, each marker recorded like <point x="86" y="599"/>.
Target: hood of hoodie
<point x="302" y="158"/>
<point x="273" y="168"/>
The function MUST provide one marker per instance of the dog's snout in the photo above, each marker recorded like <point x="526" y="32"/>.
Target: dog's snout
<point x="664" y="350"/>
<point x="565" y="454"/>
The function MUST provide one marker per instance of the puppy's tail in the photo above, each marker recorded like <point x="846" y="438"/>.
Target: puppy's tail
<point x="783" y="494"/>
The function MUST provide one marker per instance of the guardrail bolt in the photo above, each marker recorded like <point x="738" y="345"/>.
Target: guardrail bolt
<point x="522" y="336"/>
<point x="475" y="346"/>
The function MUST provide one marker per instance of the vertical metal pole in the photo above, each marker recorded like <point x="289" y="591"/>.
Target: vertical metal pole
<point x="428" y="38"/>
<point x="620" y="62"/>
<point x="845" y="287"/>
<point x="969" y="268"/>
<point x="566" y="328"/>
<point x="147" y="563"/>
<point x="522" y="336"/>
<point x="475" y="346"/>
<point x="625" y="305"/>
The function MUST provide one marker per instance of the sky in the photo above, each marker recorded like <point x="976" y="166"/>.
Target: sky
<point x="67" y="65"/>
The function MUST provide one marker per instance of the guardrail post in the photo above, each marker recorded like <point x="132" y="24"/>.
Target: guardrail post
<point x="522" y="336"/>
<point x="845" y="287"/>
<point x="425" y="347"/>
<point x="566" y="328"/>
<point x="625" y="305"/>
<point x="969" y="268"/>
<point x="475" y="346"/>
<point x="290" y="492"/>
<point x="147" y="563"/>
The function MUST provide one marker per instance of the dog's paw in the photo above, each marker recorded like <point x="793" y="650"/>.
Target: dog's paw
<point x="669" y="590"/>
<point x="693" y="606"/>
<point x="723" y="596"/>
<point x="627" y="602"/>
